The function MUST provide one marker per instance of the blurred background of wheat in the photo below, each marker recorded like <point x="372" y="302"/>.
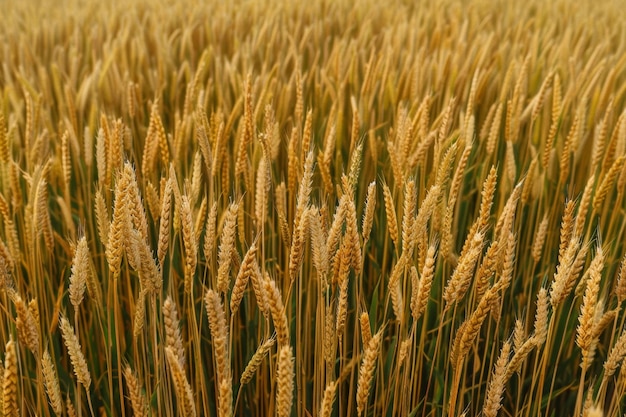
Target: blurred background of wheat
<point x="317" y="208"/>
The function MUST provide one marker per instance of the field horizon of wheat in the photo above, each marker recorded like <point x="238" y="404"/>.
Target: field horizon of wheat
<point x="325" y="208"/>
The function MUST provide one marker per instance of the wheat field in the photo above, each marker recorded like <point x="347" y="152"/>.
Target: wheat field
<point x="322" y="208"/>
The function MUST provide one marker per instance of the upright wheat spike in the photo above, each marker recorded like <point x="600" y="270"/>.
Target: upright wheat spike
<point x="366" y="329"/>
<point x="76" y="355"/>
<point x="5" y="151"/>
<point x="26" y="323"/>
<point x="227" y="245"/>
<point x="541" y="317"/>
<point x="9" y="387"/>
<point x="493" y="399"/>
<point x="457" y="285"/>
<point x="71" y="411"/>
<point x="184" y="394"/>
<point x="210" y="233"/>
<point x="278" y="312"/>
<point x="80" y="273"/>
<point x="318" y="247"/>
<point x="165" y="222"/>
<point x="102" y="218"/>
<point x="368" y="213"/>
<point x="173" y="338"/>
<point x="352" y="239"/>
<point x="328" y="399"/>
<point x="189" y="243"/>
<point x="300" y="235"/>
<point x="390" y="210"/>
<point x="620" y="286"/>
<point x="408" y="212"/>
<point x="425" y="283"/>
<point x="246" y="270"/>
<point x="563" y="272"/>
<point x="119" y="226"/>
<point x="219" y="333"/>
<point x="284" y="381"/>
<point x="134" y="390"/>
<point x="226" y="398"/>
<point x="366" y="372"/>
<point x="52" y="384"/>
<point x="586" y="319"/>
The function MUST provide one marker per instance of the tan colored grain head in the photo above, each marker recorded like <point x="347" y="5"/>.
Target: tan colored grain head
<point x="26" y="323"/>
<point x="277" y="309"/>
<point x="586" y="319"/>
<point x="390" y="210"/>
<point x="210" y="233"/>
<point x="227" y="246"/>
<point x="52" y="384"/>
<point x="184" y="393"/>
<point x="76" y="355"/>
<point x="189" y="243"/>
<point x="284" y="381"/>
<point x="80" y="272"/>
<point x="366" y="372"/>
<point x="135" y="395"/>
<point x="493" y="398"/>
<point x="567" y="226"/>
<point x="9" y="387"/>
<point x="541" y="317"/>
<point x="225" y="398"/>
<point x="607" y="183"/>
<point x="219" y="333"/>
<point x="246" y="270"/>
<point x="368" y="213"/>
<point x="459" y="282"/>
<point x="326" y="408"/>
<point x="255" y="362"/>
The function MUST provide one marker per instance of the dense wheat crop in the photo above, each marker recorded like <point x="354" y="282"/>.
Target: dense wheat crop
<point x="326" y="208"/>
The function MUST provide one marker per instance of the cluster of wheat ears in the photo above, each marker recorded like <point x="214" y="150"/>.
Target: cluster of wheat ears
<point x="334" y="208"/>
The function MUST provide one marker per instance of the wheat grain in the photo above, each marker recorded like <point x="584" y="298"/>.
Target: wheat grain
<point x="541" y="317"/>
<point x="173" y="338"/>
<point x="9" y="386"/>
<point x="52" y="383"/>
<point x="284" y="381"/>
<point x="493" y="399"/>
<point x="227" y="245"/>
<point x="366" y="372"/>
<point x="80" y="273"/>
<point x="184" y="393"/>
<point x="519" y="357"/>
<point x="607" y="183"/>
<point x="392" y="222"/>
<point x="134" y="389"/>
<point x="326" y="408"/>
<point x="586" y="318"/>
<point x="245" y="272"/>
<point x="459" y="282"/>
<point x="189" y="243"/>
<point x="27" y="325"/>
<point x="368" y="213"/>
<point x="225" y="398"/>
<point x="255" y="362"/>
<point x="219" y="333"/>
<point x="76" y="355"/>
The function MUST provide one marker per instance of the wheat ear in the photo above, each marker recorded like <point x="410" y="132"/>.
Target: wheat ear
<point x="366" y="372"/>
<point x="284" y="381"/>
